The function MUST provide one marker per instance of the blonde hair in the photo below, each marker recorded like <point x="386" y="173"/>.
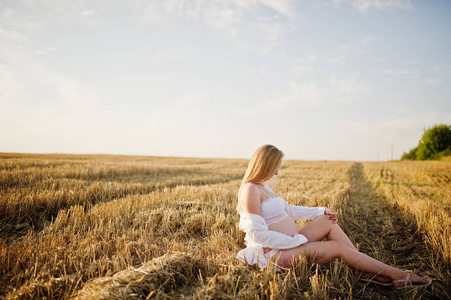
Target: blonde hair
<point x="262" y="166"/>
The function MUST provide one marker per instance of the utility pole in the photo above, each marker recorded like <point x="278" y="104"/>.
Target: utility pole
<point x="392" y="152"/>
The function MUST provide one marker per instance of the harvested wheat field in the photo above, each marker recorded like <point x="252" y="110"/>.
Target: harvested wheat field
<point x="115" y="227"/>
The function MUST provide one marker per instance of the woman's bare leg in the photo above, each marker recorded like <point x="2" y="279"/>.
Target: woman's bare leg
<point x="325" y="251"/>
<point x="321" y="227"/>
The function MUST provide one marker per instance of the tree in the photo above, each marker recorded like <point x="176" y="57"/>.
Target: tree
<point x="435" y="143"/>
<point x="411" y="155"/>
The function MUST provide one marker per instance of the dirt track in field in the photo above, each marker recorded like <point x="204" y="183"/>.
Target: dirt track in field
<point x="381" y="231"/>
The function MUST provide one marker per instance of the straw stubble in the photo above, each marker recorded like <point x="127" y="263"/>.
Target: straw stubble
<point x="117" y="227"/>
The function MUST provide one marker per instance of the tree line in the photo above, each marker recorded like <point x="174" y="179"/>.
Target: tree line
<point x="434" y="144"/>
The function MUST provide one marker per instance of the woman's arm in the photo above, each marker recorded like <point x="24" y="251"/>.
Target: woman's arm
<point x="300" y="213"/>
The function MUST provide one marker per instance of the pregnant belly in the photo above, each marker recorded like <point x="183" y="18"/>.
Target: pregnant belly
<point x="286" y="226"/>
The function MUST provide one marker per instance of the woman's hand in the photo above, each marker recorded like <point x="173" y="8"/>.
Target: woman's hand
<point x="331" y="215"/>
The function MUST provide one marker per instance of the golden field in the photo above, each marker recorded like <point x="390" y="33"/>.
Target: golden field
<point x="119" y="227"/>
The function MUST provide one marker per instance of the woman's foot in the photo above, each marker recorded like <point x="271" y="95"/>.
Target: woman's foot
<point x="411" y="280"/>
<point x="377" y="279"/>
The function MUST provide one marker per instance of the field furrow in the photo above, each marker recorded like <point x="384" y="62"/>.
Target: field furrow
<point x="384" y="232"/>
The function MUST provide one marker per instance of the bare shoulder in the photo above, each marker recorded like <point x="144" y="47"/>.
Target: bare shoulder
<point x="250" y="187"/>
<point x="250" y="198"/>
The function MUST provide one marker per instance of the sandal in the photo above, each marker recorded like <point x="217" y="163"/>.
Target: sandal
<point x="410" y="284"/>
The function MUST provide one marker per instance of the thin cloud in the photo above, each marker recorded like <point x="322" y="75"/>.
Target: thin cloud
<point x="14" y="36"/>
<point x="317" y="93"/>
<point x="283" y="7"/>
<point x="306" y="65"/>
<point x="22" y="66"/>
<point x="320" y="79"/>
<point x="398" y="129"/>
<point x="359" y="45"/>
<point x="249" y="23"/>
<point x="433" y="81"/>
<point x="175" y="54"/>
<point x="88" y="12"/>
<point x="336" y="89"/>
<point x="364" y="5"/>
<point x="393" y="73"/>
<point x="442" y="69"/>
<point x="219" y="13"/>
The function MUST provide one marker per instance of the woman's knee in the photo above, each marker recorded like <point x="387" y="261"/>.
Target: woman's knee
<point x="337" y="248"/>
<point x="321" y="217"/>
<point x="317" y="229"/>
<point x="324" y="221"/>
<point x="325" y="252"/>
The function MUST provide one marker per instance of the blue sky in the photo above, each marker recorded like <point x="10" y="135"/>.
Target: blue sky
<point x="334" y="80"/>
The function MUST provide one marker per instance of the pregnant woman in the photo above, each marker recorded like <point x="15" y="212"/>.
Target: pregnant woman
<point x="272" y="236"/>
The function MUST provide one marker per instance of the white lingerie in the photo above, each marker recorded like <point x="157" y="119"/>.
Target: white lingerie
<point x="258" y="234"/>
<point x="273" y="208"/>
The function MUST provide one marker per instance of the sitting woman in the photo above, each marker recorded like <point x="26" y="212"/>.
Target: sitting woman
<point x="272" y="235"/>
